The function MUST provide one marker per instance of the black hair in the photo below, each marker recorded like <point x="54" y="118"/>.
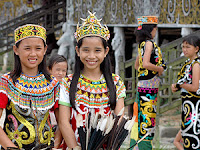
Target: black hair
<point x="144" y="33"/>
<point x="56" y="59"/>
<point x="51" y="42"/>
<point x="106" y="70"/>
<point x="192" y="40"/>
<point x="15" y="73"/>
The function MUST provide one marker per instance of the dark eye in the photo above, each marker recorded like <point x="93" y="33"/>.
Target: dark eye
<point x="38" y="48"/>
<point x="98" y="50"/>
<point x="27" y="48"/>
<point x="85" y="50"/>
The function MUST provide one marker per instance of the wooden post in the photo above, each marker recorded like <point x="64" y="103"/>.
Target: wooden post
<point x="121" y="68"/>
<point x="157" y="131"/>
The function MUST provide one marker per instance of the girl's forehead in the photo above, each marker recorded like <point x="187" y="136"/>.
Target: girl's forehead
<point x="60" y="63"/>
<point x="32" y="40"/>
<point x="186" y="43"/>
<point x="92" y="42"/>
<point x="92" y="39"/>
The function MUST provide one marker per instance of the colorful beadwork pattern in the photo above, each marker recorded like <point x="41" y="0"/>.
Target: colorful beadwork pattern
<point x="91" y="27"/>
<point x="27" y="122"/>
<point x="156" y="58"/>
<point x="91" y="95"/>
<point x="29" y="30"/>
<point x="34" y="91"/>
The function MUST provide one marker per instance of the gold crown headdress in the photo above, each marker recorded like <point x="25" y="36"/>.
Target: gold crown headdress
<point x="29" y="30"/>
<point x="91" y="27"/>
<point x="147" y="20"/>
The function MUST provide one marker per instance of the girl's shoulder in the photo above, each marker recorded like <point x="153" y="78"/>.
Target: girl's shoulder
<point x="6" y="77"/>
<point x="115" y="75"/>
<point x="147" y="43"/>
<point x="53" y="79"/>
<point x="116" y="78"/>
<point x="68" y="78"/>
<point x="197" y="60"/>
<point x="150" y="43"/>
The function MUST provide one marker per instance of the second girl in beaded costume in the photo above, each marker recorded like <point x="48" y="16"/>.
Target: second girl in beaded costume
<point x="92" y="86"/>
<point x="150" y="65"/>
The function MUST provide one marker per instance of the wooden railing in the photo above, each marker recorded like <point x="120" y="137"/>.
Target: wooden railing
<point x="50" y="16"/>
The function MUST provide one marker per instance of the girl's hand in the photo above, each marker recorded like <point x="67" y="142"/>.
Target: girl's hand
<point x="173" y="87"/>
<point x="160" y="71"/>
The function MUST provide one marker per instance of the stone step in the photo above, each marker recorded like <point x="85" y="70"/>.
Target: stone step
<point x="167" y="135"/>
<point x="168" y="132"/>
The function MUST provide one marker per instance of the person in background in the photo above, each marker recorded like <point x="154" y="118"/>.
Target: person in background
<point x="188" y="83"/>
<point x="150" y="66"/>
<point x="28" y="93"/>
<point x="57" y="66"/>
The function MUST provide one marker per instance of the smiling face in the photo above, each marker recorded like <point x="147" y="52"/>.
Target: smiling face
<point x="189" y="51"/>
<point x="31" y="52"/>
<point x="59" y="70"/>
<point x="92" y="53"/>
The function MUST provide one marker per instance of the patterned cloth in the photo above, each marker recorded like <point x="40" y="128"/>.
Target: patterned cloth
<point x="27" y="104"/>
<point x="145" y="103"/>
<point x="190" y="125"/>
<point x="156" y="59"/>
<point x="90" y="95"/>
<point x="145" y="112"/>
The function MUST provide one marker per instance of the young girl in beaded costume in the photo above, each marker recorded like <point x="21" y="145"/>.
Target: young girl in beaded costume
<point x="188" y="83"/>
<point x="28" y="93"/>
<point x="57" y="66"/>
<point x="92" y="86"/>
<point x="150" y="65"/>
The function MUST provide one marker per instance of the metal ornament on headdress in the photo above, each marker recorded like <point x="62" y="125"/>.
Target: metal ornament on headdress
<point x="91" y="27"/>
<point x="29" y="30"/>
<point x="146" y="20"/>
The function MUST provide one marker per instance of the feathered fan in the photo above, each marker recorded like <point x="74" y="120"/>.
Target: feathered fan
<point x="103" y="131"/>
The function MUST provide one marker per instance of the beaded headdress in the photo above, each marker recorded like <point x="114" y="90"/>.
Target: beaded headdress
<point x="147" y="20"/>
<point x="91" y="27"/>
<point x="29" y="30"/>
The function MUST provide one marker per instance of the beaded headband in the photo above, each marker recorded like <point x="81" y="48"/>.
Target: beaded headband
<point x="29" y="30"/>
<point x="147" y="20"/>
<point x="91" y="27"/>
